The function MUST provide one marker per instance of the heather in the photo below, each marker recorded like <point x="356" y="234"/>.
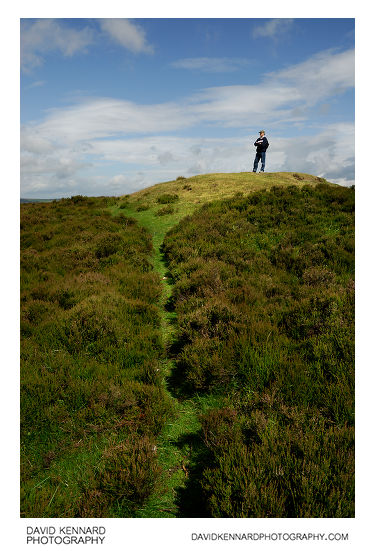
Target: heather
<point x="92" y="398"/>
<point x="264" y="297"/>
<point x="188" y="351"/>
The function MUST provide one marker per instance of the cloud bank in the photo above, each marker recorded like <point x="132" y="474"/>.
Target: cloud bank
<point x="144" y="144"/>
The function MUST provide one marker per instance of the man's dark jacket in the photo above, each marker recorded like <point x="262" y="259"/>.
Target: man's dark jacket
<point x="262" y="144"/>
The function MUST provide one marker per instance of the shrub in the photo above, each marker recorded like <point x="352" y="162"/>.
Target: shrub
<point x="141" y="208"/>
<point x="108" y="245"/>
<point x="296" y="469"/>
<point x="166" y="198"/>
<point x="126" y="221"/>
<point x="76" y="199"/>
<point x="164" y="211"/>
<point x="129" y="471"/>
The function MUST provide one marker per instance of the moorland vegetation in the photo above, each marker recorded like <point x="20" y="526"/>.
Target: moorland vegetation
<point x="92" y="399"/>
<point x="186" y="356"/>
<point x="264" y="296"/>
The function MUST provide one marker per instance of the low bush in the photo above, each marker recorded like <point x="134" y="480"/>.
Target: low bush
<point x="141" y="208"/>
<point x="129" y="471"/>
<point x="166" y="198"/>
<point x="108" y="245"/>
<point x="164" y="211"/>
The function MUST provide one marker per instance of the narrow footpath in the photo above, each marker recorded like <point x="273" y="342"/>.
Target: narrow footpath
<point x="179" y="446"/>
<point x="179" y="441"/>
<point x="174" y="444"/>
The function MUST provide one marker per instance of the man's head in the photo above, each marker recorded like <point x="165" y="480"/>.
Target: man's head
<point x="261" y="132"/>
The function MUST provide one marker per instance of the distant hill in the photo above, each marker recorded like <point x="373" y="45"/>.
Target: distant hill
<point x="23" y="200"/>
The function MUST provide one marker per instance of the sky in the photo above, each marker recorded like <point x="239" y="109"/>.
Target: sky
<point x="110" y="106"/>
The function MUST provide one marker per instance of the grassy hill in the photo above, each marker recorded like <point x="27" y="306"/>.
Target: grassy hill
<point x="234" y="369"/>
<point x="159" y="207"/>
<point x="197" y="190"/>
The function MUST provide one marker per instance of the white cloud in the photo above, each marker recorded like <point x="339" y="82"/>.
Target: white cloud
<point x="56" y="163"/>
<point x="33" y="142"/>
<point x="238" y="106"/>
<point x="146" y="161"/>
<point x="43" y="36"/>
<point x="38" y="38"/>
<point x="36" y="84"/>
<point x="282" y="97"/>
<point x="273" y="28"/>
<point x="329" y="154"/>
<point x="121" y="184"/>
<point x="211" y="64"/>
<point x="105" y="117"/>
<point x="127" y="34"/>
<point x="325" y="74"/>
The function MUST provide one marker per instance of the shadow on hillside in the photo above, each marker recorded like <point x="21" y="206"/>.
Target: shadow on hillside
<point x="189" y="498"/>
<point x="176" y="381"/>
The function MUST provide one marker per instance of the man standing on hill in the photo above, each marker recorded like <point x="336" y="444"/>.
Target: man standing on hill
<point x="261" y="144"/>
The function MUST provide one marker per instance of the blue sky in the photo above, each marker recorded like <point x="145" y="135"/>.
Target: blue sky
<point x="110" y="106"/>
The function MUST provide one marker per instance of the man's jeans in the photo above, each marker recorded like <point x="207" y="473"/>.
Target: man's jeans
<point x="258" y="157"/>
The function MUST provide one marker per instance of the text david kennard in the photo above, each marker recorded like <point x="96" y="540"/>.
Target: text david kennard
<point x="65" y="534"/>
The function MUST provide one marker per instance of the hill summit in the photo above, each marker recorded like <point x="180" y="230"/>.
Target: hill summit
<point x="171" y="201"/>
<point x="196" y="190"/>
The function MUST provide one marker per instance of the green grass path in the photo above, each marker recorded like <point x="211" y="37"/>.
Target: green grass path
<point x="174" y="451"/>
